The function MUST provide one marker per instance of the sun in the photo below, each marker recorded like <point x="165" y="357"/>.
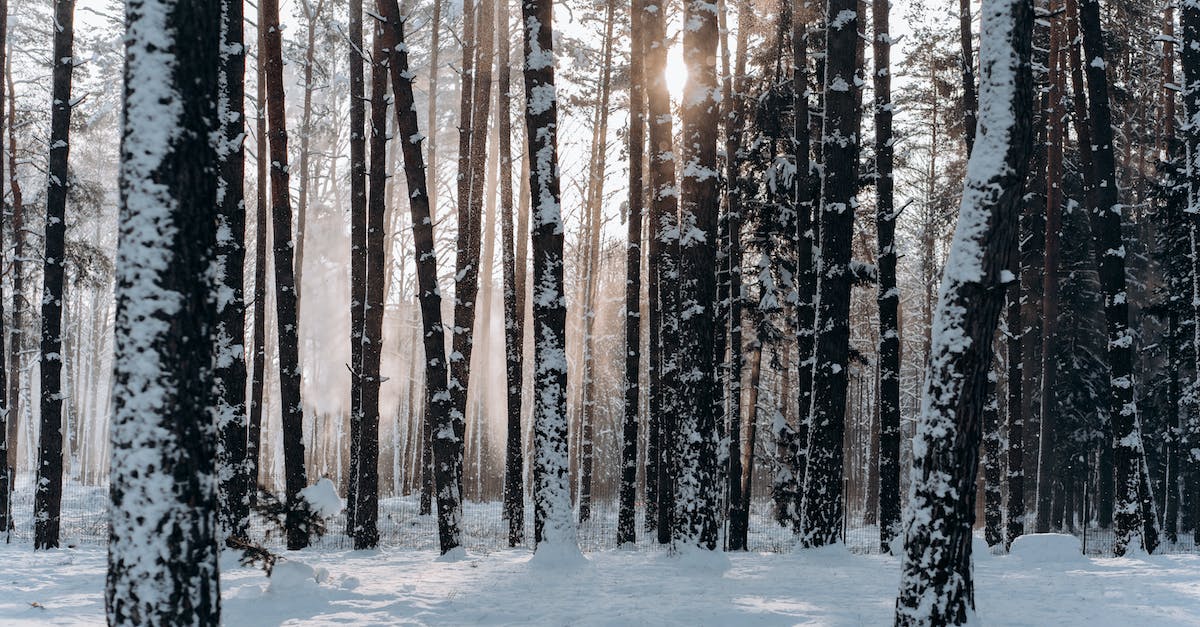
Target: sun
<point x="676" y="73"/>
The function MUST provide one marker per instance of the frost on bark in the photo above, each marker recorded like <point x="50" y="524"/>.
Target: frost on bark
<point x="48" y="495"/>
<point x="6" y="471"/>
<point x="936" y="577"/>
<point x="1135" y="519"/>
<point x="993" y="505"/>
<point x="663" y="225"/>
<point x="888" y="297"/>
<point x="1189" y="55"/>
<point x="554" y="528"/>
<point x="229" y="370"/>
<point x="286" y="320"/>
<point x="626" y="525"/>
<point x="358" y="247"/>
<point x="162" y="565"/>
<point x="822" y="501"/>
<point x="696" y="522"/>
<point x="447" y="450"/>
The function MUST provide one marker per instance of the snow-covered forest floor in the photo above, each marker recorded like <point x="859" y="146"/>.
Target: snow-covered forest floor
<point x="1039" y="584"/>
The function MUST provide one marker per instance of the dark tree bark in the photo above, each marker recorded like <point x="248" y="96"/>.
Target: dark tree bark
<point x="807" y="227"/>
<point x="553" y="524"/>
<point x="162" y="551"/>
<point x="312" y="16"/>
<point x="993" y="498"/>
<point x="229" y="367"/>
<point x="259" y="348"/>
<point x="447" y="451"/>
<point x="48" y="495"/>
<point x="292" y="407"/>
<point x="12" y="371"/>
<point x="663" y="269"/>
<point x="823" y="478"/>
<point x="734" y="98"/>
<point x="970" y="102"/>
<point x="888" y="298"/>
<point x="626" y="524"/>
<point x="514" y="298"/>
<point x="358" y="249"/>
<point x="366" y="522"/>
<point x="1189" y="56"/>
<point x="17" y="344"/>
<point x="937" y="586"/>
<point x="1136" y="521"/>
<point x="696" y="522"/>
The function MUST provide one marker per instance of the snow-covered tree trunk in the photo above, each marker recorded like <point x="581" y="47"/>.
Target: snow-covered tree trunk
<point x="366" y="474"/>
<point x="970" y="99"/>
<point x="554" y="527"/>
<point x="162" y="561"/>
<point x="936" y="585"/>
<point x="888" y="297"/>
<point x="514" y="298"/>
<point x="626" y="524"/>
<point x="822" y="504"/>
<point x="292" y="407"/>
<point x="1189" y="56"/>
<point x="663" y="225"/>
<point x="48" y="495"/>
<point x="1136" y="522"/>
<point x="229" y="356"/>
<point x="696" y="522"/>
<point x="446" y="445"/>
<point x="358" y="246"/>
<point x="807" y="226"/>
<point x="11" y="371"/>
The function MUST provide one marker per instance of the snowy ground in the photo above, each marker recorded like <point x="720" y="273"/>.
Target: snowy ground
<point x="828" y="587"/>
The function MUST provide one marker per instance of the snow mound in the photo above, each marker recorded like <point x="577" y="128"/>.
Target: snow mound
<point x="288" y="576"/>
<point x="457" y="554"/>
<point x="980" y="548"/>
<point x="696" y="561"/>
<point x="322" y="496"/>
<point x="554" y="556"/>
<point x="1048" y="548"/>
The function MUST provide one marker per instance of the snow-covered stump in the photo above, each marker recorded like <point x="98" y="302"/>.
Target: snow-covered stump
<point x="936" y="585"/>
<point x="554" y="527"/>
<point x="162" y="566"/>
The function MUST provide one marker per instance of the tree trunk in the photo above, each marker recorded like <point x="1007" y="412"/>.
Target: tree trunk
<point x="292" y="409"/>
<point x="663" y="270"/>
<point x="514" y="311"/>
<point x="447" y="449"/>
<point x="1136" y="522"/>
<point x="17" y="344"/>
<point x="48" y="496"/>
<point x="358" y="248"/>
<point x="937" y="586"/>
<point x="822" y="508"/>
<point x="162" y="553"/>
<point x="1189" y="56"/>
<point x="229" y="368"/>
<point x="312" y="17"/>
<point x="626" y="523"/>
<point x="970" y="102"/>
<point x="553" y="524"/>
<point x="366" y="483"/>
<point x="888" y="298"/>
<point x="12" y="371"/>
<point x="259" y="357"/>
<point x="993" y="499"/>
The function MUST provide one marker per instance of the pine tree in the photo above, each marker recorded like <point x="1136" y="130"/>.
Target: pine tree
<point x="553" y="524"/>
<point x="295" y="478"/>
<point x="11" y="371"/>
<point x="358" y="248"/>
<point x="1189" y="56"/>
<point x="937" y="586"/>
<point x="162" y="566"/>
<point x="230" y="360"/>
<point x="48" y="496"/>
<point x="259" y="333"/>
<point x="822" y="508"/>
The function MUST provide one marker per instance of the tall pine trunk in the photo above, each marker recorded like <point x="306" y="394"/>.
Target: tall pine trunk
<point x="11" y="371"/>
<point x="291" y="406"/>
<point x="48" y="496"/>
<point x="1189" y="56"/>
<point x="822" y="508"/>
<point x="259" y="332"/>
<point x="937" y="585"/>
<point x="1136" y="521"/>
<point x="162" y="552"/>
<point x="358" y="248"/>
<point x="230" y="356"/>
<point x="446" y="446"/>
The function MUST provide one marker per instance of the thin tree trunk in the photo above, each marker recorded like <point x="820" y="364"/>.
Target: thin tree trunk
<point x="259" y="356"/>
<point x="312" y="16"/>
<point x="12" y="372"/>
<point x="1136" y="521"/>
<point x="993" y="501"/>
<point x="888" y="298"/>
<point x="970" y="102"/>
<point x="48" y="495"/>
<point x="937" y="585"/>
<point x="162" y="552"/>
<point x="446" y="446"/>
<point x="1189" y="56"/>
<point x="358" y="247"/>
<point x="17" y="344"/>
<point x="292" y="409"/>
